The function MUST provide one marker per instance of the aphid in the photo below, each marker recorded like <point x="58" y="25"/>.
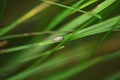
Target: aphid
<point x="58" y="39"/>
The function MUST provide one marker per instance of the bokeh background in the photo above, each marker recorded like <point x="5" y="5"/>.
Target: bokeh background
<point x="14" y="9"/>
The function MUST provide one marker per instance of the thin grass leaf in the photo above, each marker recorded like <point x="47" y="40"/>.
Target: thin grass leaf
<point x="27" y="46"/>
<point x="68" y="12"/>
<point x="26" y="35"/>
<point x="84" y="18"/>
<point x="101" y="41"/>
<point x="25" y="17"/>
<point x="74" y="9"/>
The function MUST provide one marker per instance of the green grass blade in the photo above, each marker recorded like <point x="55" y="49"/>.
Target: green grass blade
<point x="25" y="17"/>
<point x="98" y="28"/>
<point x="86" y="4"/>
<point x="27" y="46"/>
<point x="61" y="16"/>
<point x="68" y="12"/>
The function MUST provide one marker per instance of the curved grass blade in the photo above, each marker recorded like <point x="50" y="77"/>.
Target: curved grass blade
<point x="23" y="60"/>
<point x="68" y="12"/>
<point x="86" y="4"/>
<point x="98" y="28"/>
<point x="26" y="35"/>
<point x="61" y="16"/>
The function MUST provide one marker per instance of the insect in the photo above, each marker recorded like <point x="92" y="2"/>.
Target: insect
<point x="58" y="39"/>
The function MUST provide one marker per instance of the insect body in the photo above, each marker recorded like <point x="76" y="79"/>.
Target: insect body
<point x="58" y="39"/>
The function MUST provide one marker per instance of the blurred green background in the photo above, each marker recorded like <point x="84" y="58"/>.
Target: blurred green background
<point x="74" y="50"/>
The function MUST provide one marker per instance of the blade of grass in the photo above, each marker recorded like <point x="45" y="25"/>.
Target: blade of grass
<point x="74" y="9"/>
<point x="27" y="46"/>
<point x="86" y="4"/>
<point x="72" y="71"/>
<point x="66" y="13"/>
<point x="114" y="20"/>
<point x="25" y="35"/>
<point x="20" y="61"/>
<point x="112" y="8"/>
<point x="61" y="16"/>
<point x="25" y="17"/>
<point x="90" y="28"/>
<point x="98" y="28"/>
<point x="102" y="39"/>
